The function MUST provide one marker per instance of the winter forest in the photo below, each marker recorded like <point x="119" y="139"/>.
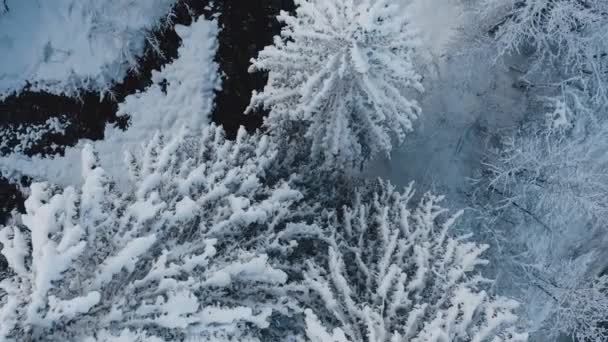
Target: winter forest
<point x="304" y="170"/>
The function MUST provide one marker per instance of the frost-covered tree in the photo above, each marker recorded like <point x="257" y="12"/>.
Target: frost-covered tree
<point x="577" y="309"/>
<point x="550" y="173"/>
<point x="543" y="192"/>
<point x="394" y="273"/>
<point x="554" y="164"/>
<point x="581" y="310"/>
<point x="543" y="195"/>
<point x="169" y="260"/>
<point x="341" y="73"/>
<point x="565" y="36"/>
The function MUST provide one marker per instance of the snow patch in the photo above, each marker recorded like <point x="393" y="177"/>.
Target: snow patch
<point x="64" y="44"/>
<point x="182" y="95"/>
<point x="437" y="22"/>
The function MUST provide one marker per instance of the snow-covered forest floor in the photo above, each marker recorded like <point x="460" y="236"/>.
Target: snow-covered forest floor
<point x="68" y="45"/>
<point x="468" y="100"/>
<point x="538" y="206"/>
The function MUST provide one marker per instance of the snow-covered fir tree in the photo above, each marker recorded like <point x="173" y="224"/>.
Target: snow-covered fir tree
<point x="342" y="74"/>
<point x="394" y="273"/>
<point x="166" y="261"/>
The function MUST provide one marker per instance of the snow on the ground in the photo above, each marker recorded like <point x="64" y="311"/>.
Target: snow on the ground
<point x="466" y="100"/>
<point x="182" y="95"/>
<point x="466" y="95"/>
<point x="437" y="23"/>
<point x="62" y="44"/>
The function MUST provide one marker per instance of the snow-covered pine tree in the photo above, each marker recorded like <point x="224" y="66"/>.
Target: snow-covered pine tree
<point x="342" y="74"/>
<point x="394" y="273"/>
<point x="166" y="260"/>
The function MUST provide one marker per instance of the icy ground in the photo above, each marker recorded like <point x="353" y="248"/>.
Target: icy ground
<point x="60" y="45"/>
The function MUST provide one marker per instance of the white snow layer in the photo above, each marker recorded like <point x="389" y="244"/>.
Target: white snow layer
<point x="447" y="147"/>
<point x="62" y="44"/>
<point x="182" y="95"/>
<point x="437" y="22"/>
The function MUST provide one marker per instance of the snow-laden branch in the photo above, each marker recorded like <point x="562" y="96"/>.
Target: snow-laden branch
<point x="93" y="264"/>
<point x="567" y="34"/>
<point x="550" y="190"/>
<point x="394" y="273"/>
